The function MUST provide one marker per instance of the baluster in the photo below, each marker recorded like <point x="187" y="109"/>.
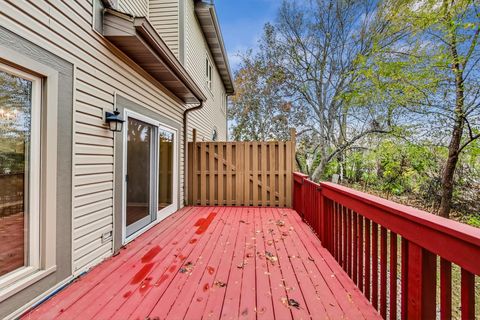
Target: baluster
<point x="349" y="243"/>
<point x="360" y="252"/>
<point x="393" y="275"/>
<point x="367" y="259"/>
<point x="404" y="287"/>
<point x="468" y="295"/>
<point x="375" y="265"/>
<point x="383" y="272"/>
<point x="355" y="248"/>
<point x="445" y="289"/>
<point x="345" y="240"/>
<point x="422" y="283"/>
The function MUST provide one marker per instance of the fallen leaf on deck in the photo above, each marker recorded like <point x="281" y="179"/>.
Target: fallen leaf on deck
<point x="220" y="284"/>
<point x="293" y="303"/>
<point x="270" y="257"/>
<point x="290" y="303"/>
<point x="311" y="259"/>
<point x="280" y="223"/>
<point x="188" y="267"/>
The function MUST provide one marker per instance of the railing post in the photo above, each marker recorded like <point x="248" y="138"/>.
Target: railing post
<point x="421" y="287"/>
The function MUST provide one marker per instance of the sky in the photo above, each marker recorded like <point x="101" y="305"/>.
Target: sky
<point x="242" y="24"/>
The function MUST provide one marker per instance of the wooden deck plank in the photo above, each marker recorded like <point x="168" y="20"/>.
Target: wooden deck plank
<point x="319" y="306"/>
<point x="181" y="259"/>
<point x="234" y="284"/>
<point x="277" y="283"/>
<point x="216" y="295"/>
<point x="247" y="307"/>
<point x="139" y="247"/>
<point x="135" y="278"/>
<point x="348" y="296"/>
<point x="292" y="286"/>
<point x="193" y="298"/>
<point x="198" y="256"/>
<point x="228" y="248"/>
<point x="264" y="301"/>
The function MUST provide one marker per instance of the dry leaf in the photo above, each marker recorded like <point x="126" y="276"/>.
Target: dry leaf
<point x="220" y="284"/>
<point x="270" y="257"/>
<point x="280" y="223"/>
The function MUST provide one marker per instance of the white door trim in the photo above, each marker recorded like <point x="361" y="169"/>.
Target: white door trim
<point x="164" y="213"/>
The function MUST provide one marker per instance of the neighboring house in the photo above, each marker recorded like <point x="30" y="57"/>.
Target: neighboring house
<point x="72" y="191"/>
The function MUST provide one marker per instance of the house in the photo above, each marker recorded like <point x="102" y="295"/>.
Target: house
<point x="77" y="183"/>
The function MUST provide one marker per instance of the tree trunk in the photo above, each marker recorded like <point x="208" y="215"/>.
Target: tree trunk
<point x="457" y="132"/>
<point x="449" y="172"/>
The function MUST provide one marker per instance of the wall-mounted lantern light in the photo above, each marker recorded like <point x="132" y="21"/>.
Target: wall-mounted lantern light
<point x="115" y="122"/>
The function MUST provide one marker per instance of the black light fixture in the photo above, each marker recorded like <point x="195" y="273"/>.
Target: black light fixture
<point x="114" y="121"/>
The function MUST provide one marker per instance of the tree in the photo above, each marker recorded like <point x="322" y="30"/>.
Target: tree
<point x="433" y="72"/>
<point x="317" y="46"/>
<point x="259" y="110"/>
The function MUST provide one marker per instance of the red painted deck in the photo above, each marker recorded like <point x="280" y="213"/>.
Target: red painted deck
<point x="211" y="263"/>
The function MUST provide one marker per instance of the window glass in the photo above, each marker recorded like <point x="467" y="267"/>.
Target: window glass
<point x="15" y="135"/>
<point x="165" y="169"/>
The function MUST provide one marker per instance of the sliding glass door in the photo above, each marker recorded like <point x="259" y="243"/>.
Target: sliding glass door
<point x="140" y="148"/>
<point x="151" y="189"/>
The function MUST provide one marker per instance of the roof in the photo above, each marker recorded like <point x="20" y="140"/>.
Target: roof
<point x="137" y="38"/>
<point x="207" y="17"/>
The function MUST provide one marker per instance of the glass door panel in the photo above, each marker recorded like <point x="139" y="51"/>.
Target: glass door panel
<point x="165" y="169"/>
<point x="15" y="131"/>
<point x="140" y="139"/>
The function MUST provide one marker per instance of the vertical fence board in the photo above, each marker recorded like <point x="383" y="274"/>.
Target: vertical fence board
<point x="221" y="178"/>
<point x="241" y="173"/>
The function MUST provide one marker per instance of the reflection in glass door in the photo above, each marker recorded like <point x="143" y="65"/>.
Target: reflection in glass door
<point x="19" y="175"/>
<point x="151" y="168"/>
<point x="140" y="142"/>
<point x="165" y="169"/>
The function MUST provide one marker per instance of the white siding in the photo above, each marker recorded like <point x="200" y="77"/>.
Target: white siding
<point x="138" y="8"/>
<point x="212" y="114"/>
<point x="164" y="16"/>
<point x="64" y="28"/>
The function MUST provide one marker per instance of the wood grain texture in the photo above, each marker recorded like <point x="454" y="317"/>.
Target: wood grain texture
<point x="241" y="173"/>
<point x="212" y="263"/>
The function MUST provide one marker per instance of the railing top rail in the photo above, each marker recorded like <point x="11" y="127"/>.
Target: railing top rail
<point x="454" y="228"/>
<point x="450" y="239"/>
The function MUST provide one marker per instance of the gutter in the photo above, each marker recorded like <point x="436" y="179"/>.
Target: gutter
<point x="185" y="148"/>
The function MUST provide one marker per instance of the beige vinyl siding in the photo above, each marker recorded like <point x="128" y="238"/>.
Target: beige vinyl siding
<point x="64" y="28"/>
<point x="196" y="49"/>
<point x="138" y="8"/>
<point x="164" y="16"/>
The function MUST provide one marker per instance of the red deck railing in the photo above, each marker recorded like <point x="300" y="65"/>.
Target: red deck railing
<point x="362" y="231"/>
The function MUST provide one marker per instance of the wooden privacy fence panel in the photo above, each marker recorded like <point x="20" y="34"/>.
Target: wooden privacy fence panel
<point x="241" y="173"/>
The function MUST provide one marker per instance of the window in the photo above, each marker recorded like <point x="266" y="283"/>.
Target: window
<point x="208" y="73"/>
<point x="20" y="98"/>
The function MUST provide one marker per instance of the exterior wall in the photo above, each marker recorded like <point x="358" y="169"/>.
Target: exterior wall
<point x="196" y="48"/>
<point x="101" y="71"/>
<point x="138" y="8"/>
<point x="56" y="185"/>
<point x="164" y="16"/>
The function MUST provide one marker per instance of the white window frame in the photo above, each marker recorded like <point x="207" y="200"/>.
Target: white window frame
<point x="165" y="212"/>
<point x="46" y="184"/>
<point x="208" y="72"/>
<point x="32" y="194"/>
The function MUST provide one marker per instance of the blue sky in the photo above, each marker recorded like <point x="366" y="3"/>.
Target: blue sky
<point x="242" y="23"/>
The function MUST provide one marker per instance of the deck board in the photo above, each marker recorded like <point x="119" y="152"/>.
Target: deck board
<point x="216" y="263"/>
